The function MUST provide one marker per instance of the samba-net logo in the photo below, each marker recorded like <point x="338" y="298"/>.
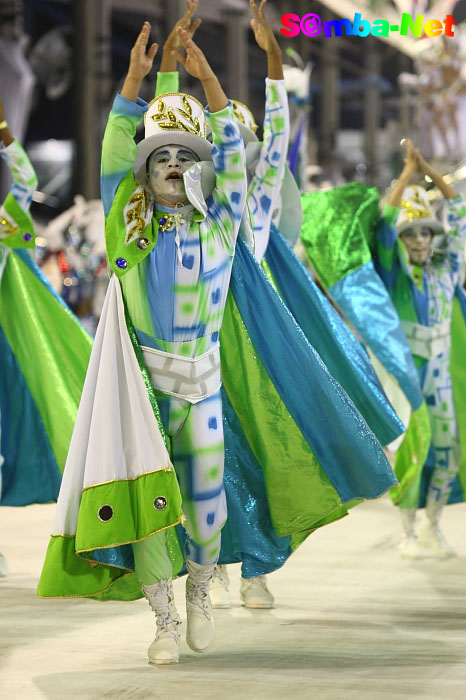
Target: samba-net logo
<point x="312" y="25"/>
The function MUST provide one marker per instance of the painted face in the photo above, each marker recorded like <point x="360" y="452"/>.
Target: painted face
<point x="165" y="171"/>
<point x="417" y="242"/>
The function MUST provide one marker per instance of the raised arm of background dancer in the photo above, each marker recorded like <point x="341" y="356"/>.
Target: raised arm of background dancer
<point x="173" y="41"/>
<point x="228" y="154"/>
<point x="21" y="169"/>
<point x="197" y="65"/>
<point x="426" y="169"/>
<point x="410" y="168"/>
<point x="266" y="40"/>
<point x="456" y="210"/>
<point x="168" y="78"/>
<point x="119" y="147"/>
<point x="386" y="235"/>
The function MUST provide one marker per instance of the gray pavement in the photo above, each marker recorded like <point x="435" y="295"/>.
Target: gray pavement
<point x="353" y="622"/>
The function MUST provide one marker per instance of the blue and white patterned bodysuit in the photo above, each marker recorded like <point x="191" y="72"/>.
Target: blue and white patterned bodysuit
<point x="176" y="304"/>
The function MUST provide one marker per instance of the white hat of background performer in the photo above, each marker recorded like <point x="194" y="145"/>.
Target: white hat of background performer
<point x="415" y="210"/>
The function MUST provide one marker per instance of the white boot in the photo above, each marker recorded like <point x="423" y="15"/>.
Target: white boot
<point x="219" y="594"/>
<point x="429" y="533"/>
<point x="165" y="647"/>
<point x="409" y="546"/>
<point x="4" y="568"/>
<point x="200" y="632"/>
<point x="255" y="594"/>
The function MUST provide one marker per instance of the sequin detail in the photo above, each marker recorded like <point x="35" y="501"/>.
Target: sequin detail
<point x="160" y="503"/>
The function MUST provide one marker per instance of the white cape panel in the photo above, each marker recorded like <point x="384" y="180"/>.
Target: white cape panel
<point x="116" y="435"/>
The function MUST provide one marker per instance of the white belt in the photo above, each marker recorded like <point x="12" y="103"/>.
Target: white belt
<point x="189" y="378"/>
<point x="427" y="341"/>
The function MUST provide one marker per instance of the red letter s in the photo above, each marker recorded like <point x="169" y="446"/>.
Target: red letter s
<point x="288" y="21"/>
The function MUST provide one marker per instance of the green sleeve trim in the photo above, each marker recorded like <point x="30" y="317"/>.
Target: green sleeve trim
<point x="22" y="221"/>
<point x="58" y="335"/>
<point x="167" y="82"/>
<point x="132" y="507"/>
<point x="390" y="214"/>
<point x="72" y="569"/>
<point x="66" y="575"/>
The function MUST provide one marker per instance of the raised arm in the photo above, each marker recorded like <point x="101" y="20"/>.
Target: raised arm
<point x="456" y="214"/>
<point x="173" y="41"/>
<point x="228" y="150"/>
<point x="21" y="169"/>
<point x="265" y="186"/>
<point x="119" y="147"/>
<point x="16" y="229"/>
<point x="266" y="40"/>
<point x="168" y="78"/>
<point x="386" y="236"/>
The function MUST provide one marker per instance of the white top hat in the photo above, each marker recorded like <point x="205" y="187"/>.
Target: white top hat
<point x="172" y="118"/>
<point x="415" y="210"/>
<point x="246" y="122"/>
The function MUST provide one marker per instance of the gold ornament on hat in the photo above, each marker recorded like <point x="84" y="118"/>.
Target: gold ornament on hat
<point x="172" y="122"/>
<point x="410" y="212"/>
<point x="240" y="116"/>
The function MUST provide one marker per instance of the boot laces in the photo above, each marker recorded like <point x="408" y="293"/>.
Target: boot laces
<point x="197" y="594"/>
<point x="163" y="605"/>
<point x="167" y="625"/>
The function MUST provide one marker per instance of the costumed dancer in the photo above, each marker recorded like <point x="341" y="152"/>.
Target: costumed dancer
<point x="421" y="300"/>
<point x="44" y="352"/>
<point x="424" y="284"/>
<point x="297" y="458"/>
<point x="72" y="256"/>
<point x="268" y="198"/>
<point x="187" y="274"/>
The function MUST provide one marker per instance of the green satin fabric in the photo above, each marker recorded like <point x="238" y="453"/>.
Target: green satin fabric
<point x="291" y="470"/>
<point x="335" y="226"/>
<point x="410" y="458"/>
<point x="51" y="348"/>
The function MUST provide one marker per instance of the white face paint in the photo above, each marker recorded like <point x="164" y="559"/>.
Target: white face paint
<point x="417" y="240"/>
<point x="165" y="169"/>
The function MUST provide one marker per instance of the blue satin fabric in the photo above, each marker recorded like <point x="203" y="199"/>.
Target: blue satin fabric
<point x="29" y="473"/>
<point x="365" y="302"/>
<point x="346" y="448"/>
<point x="339" y="349"/>
<point x="121" y="557"/>
<point x="340" y="438"/>
<point x="248" y="534"/>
